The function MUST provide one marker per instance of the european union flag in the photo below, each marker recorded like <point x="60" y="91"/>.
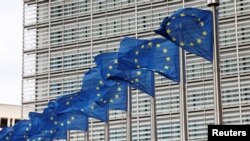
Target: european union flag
<point x="43" y="128"/>
<point x="191" y="29"/>
<point x="115" y="96"/>
<point x="159" y="55"/>
<point x="138" y="78"/>
<point x="21" y="130"/>
<point x="77" y="103"/>
<point x="6" y="134"/>
<point x="107" y="93"/>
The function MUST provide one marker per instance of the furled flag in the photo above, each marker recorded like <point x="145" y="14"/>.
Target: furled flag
<point x="78" y="103"/>
<point x="138" y="78"/>
<point x="159" y="55"/>
<point x="191" y="29"/>
<point x="6" y="134"/>
<point x="111" y="94"/>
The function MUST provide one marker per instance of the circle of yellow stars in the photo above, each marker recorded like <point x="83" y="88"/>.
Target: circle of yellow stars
<point x="198" y="41"/>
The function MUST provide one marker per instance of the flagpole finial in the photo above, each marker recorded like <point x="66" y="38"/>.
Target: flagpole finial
<point x="213" y="3"/>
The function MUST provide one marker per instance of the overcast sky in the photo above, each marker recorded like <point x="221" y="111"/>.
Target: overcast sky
<point x="10" y="51"/>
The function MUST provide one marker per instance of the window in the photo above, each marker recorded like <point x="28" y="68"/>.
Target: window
<point x="3" y="122"/>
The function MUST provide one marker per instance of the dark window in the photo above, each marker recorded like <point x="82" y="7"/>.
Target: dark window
<point x="4" y="122"/>
<point x="16" y="120"/>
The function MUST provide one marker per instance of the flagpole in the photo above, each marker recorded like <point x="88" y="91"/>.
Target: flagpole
<point x="128" y="114"/>
<point x="68" y="135"/>
<point x="153" y="112"/>
<point x="216" y="63"/>
<point x="183" y="94"/>
<point x="86" y="136"/>
<point x="106" y="126"/>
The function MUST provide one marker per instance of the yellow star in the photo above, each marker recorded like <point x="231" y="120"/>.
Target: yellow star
<point x="138" y="73"/>
<point x="55" y="122"/>
<point x="198" y="20"/>
<point x="168" y="23"/>
<point x="116" y="96"/>
<point x="98" y="94"/>
<point x="67" y="103"/>
<point x="116" y="61"/>
<point x="119" y="89"/>
<point x="191" y="44"/>
<point x="136" y="52"/>
<point x="97" y="88"/>
<point x="68" y="122"/>
<point x="182" y="44"/>
<point x="138" y="66"/>
<point x="182" y="14"/>
<point x="168" y="59"/>
<point x="166" y="67"/>
<point x="72" y="118"/>
<point x="92" y="107"/>
<point x="111" y="101"/>
<point x="110" y="67"/>
<point x="100" y="82"/>
<point x="204" y="33"/>
<point x="108" y="75"/>
<point x="142" y="46"/>
<point x="199" y="40"/>
<point x="174" y="39"/>
<point x="202" y="23"/>
<point x="165" y="50"/>
<point x="158" y="45"/>
<point x="168" y="31"/>
<point x="136" y="61"/>
<point x="137" y="80"/>
<point x="150" y="44"/>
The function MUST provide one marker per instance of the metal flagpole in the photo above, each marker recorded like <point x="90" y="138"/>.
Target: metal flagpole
<point x="216" y="63"/>
<point x="86" y="136"/>
<point x="68" y="135"/>
<point x="153" y="113"/>
<point x="183" y="94"/>
<point x="128" y="114"/>
<point x="106" y="126"/>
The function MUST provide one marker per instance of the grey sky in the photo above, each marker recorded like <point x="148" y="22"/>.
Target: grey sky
<point x="10" y="51"/>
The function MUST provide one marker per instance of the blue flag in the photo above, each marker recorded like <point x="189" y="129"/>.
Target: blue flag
<point x="77" y="103"/>
<point x="140" y="79"/>
<point x="42" y="127"/>
<point x="21" y="130"/>
<point x="191" y="29"/>
<point x="159" y="55"/>
<point x="107" y="93"/>
<point x="6" y="134"/>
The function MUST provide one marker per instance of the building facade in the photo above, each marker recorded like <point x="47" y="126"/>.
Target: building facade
<point x="61" y="37"/>
<point x="9" y="115"/>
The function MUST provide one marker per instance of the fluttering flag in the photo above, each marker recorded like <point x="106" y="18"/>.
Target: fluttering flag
<point x="6" y="134"/>
<point x="158" y="55"/>
<point x="190" y="29"/>
<point x="21" y="130"/>
<point x="111" y="94"/>
<point x="43" y="127"/>
<point x="140" y="79"/>
<point x="78" y="103"/>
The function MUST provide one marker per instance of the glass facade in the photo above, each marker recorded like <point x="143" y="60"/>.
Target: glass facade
<point x="61" y="37"/>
